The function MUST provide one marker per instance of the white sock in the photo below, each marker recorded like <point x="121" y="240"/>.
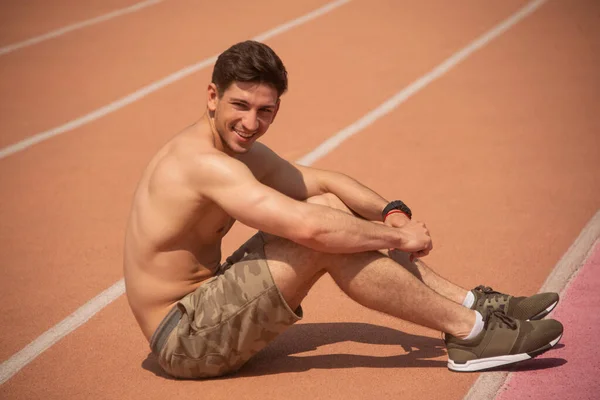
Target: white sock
<point x="477" y="327"/>
<point x="469" y="299"/>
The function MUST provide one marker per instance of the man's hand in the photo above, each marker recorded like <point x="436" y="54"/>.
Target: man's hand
<point x="397" y="220"/>
<point x="416" y="239"/>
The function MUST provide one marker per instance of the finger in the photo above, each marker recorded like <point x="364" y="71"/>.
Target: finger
<point x="421" y="253"/>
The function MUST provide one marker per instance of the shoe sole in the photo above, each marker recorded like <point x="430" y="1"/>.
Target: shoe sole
<point x="544" y="313"/>
<point x="481" y="364"/>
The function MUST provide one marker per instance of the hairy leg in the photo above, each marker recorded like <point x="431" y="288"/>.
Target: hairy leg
<point x="370" y="278"/>
<point x="418" y="268"/>
<point x="425" y="274"/>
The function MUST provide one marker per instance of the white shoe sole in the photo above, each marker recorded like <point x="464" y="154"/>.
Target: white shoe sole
<point x="544" y="313"/>
<point x="493" y="362"/>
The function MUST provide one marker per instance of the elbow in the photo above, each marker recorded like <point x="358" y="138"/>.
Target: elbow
<point x="306" y="231"/>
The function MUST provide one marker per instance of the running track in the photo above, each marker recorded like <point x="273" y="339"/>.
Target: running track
<point x="500" y="156"/>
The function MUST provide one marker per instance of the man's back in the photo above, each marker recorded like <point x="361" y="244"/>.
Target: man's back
<point x="173" y="239"/>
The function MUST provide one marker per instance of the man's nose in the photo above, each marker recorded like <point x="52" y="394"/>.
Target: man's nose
<point x="250" y="121"/>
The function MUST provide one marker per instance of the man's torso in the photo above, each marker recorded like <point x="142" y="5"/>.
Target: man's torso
<point x="174" y="235"/>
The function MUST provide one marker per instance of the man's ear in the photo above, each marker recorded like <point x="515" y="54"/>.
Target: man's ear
<point x="212" y="99"/>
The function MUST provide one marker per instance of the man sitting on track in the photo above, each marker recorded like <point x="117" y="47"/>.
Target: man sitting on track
<point x="204" y="318"/>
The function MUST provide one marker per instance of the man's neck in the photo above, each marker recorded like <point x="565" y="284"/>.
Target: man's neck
<point x="217" y="141"/>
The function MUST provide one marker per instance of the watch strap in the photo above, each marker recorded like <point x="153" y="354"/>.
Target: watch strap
<point x="396" y="205"/>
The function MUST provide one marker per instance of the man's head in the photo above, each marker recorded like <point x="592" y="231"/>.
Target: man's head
<point x="243" y="97"/>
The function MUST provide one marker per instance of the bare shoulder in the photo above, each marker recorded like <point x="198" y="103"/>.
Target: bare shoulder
<point x="208" y="169"/>
<point x="187" y="160"/>
<point x="261" y="160"/>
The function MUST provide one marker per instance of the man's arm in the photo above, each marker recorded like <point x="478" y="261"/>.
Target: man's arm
<point x="357" y="197"/>
<point x="232" y="186"/>
<point x="301" y="182"/>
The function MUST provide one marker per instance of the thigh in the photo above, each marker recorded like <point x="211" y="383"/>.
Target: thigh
<point x="272" y="255"/>
<point x="294" y="268"/>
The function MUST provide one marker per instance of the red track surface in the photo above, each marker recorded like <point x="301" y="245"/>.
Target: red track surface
<point x="501" y="158"/>
<point x="579" y="365"/>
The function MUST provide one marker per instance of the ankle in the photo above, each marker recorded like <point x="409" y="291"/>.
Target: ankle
<point x="469" y="328"/>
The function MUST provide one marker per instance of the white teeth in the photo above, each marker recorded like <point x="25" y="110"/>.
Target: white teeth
<point x="242" y="135"/>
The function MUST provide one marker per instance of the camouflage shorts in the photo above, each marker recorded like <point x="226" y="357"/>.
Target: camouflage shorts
<point x="214" y="330"/>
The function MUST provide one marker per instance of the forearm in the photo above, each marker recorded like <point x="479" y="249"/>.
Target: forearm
<point x="359" y="198"/>
<point x="334" y="231"/>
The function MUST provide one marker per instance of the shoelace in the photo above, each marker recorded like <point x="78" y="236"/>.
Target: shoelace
<point x="489" y="292"/>
<point x="501" y="319"/>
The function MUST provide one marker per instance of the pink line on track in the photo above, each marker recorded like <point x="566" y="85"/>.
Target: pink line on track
<point x="571" y="370"/>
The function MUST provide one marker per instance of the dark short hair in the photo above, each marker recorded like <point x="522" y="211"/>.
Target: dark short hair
<point x="249" y="61"/>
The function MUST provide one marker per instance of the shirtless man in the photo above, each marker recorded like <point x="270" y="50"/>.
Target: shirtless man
<point x="204" y="318"/>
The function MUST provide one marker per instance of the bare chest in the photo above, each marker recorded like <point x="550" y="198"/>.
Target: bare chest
<point x="213" y="224"/>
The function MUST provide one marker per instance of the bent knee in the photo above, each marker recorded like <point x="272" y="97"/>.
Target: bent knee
<point x="329" y="200"/>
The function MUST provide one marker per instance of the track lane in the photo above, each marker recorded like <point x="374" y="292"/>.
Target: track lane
<point x="348" y="313"/>
<point x="40" y="199"/>
<point x="392" y="381"/>
<point x="72" y="27"/>
<point x="35" y="204"/>
<point x="60" y="80"/>
<point x="22" y="20"/>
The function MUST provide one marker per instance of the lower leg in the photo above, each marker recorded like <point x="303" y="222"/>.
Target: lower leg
<point x="376" y="282"/>
<point x="418" y="268"/>
<point x="425" y="274"/>
<point x="371" y="279"/>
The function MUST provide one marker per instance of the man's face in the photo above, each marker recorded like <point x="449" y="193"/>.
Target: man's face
<point x="243" y="114"/>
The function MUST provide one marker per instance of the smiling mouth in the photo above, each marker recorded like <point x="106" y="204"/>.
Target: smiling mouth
<point x="244" y="135"/>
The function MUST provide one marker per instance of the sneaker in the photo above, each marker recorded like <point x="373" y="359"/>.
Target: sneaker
<point x="526" y="308"/>
<point x="504" y="340"/>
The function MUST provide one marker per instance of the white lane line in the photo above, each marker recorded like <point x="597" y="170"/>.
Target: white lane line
<point x="88" y="310"/>
<point x="153" y="87"/>
<point x="58" y="331"/>
<point x="77" y="25"/>
<point x="34" y="349"/>
<point x="400" y="97"/>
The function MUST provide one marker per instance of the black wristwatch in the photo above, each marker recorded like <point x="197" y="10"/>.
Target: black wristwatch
<point x="396" y="205"/>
